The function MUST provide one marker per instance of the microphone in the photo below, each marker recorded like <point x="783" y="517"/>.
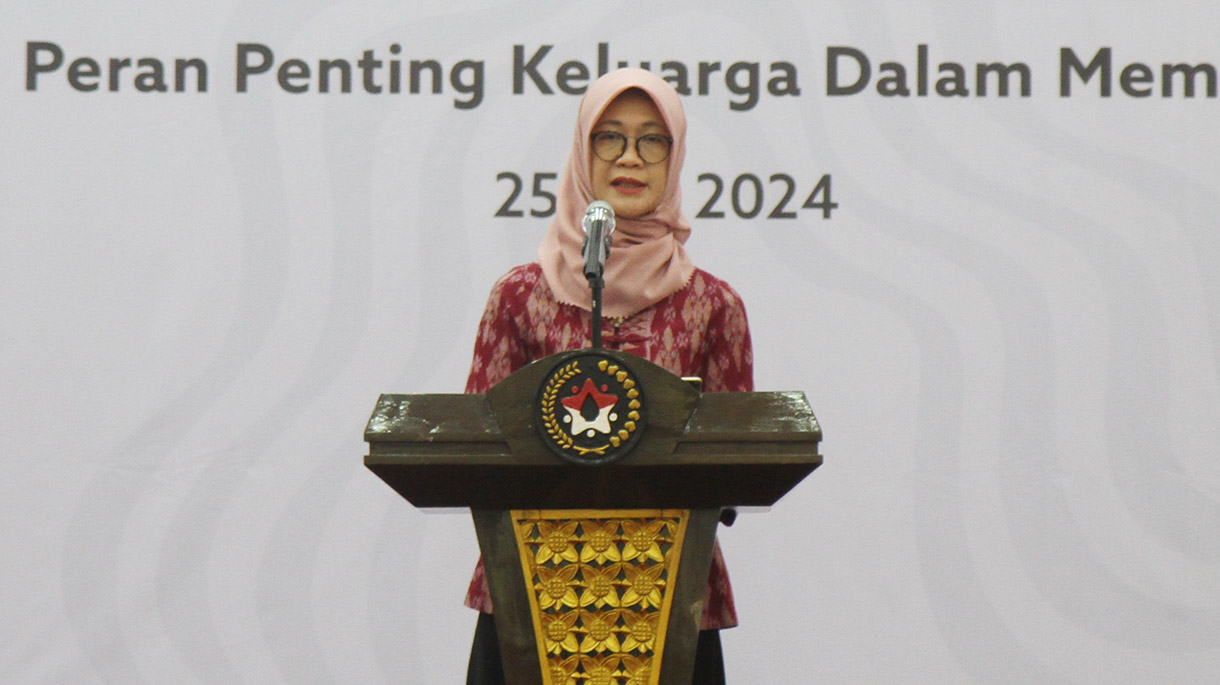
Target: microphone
<point x="598" y="224"/>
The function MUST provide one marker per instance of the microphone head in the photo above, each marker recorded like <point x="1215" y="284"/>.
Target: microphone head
<point x="598" y="211"/>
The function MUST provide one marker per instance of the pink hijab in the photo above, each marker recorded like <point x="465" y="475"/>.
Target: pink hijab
<point x="647" y="262"/>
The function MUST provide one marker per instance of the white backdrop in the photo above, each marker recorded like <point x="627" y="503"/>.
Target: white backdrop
<point x="1008" y="328"/>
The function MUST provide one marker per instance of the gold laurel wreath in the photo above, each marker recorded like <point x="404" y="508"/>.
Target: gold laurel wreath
<point x="548" y="405"/>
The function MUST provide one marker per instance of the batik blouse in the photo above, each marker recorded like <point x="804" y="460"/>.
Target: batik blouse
<point x="700" y="330"/>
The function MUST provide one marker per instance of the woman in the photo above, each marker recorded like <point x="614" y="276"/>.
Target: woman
<point x="628" y="151"/>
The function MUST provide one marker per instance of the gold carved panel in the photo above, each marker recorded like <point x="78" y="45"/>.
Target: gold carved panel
<point x="600" y="588"/>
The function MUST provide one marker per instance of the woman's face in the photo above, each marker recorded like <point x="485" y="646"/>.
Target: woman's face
<point x="632" y="186"/>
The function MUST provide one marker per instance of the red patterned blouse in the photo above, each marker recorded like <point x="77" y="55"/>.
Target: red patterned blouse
<point x="701" y="330"/>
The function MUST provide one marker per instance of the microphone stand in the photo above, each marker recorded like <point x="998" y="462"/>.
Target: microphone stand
<point x="596" y="283"/>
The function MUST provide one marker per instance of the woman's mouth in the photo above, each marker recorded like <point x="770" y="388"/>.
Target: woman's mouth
<point x="628" y="186"/>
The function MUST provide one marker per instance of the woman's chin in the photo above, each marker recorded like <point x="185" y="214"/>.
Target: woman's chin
<point x="630" y="207"/>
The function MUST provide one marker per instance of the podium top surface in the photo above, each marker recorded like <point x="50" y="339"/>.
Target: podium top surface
<point x="697" y="450"/>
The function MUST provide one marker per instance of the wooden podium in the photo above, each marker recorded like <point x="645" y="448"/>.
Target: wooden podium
<point x="596" y="480"/>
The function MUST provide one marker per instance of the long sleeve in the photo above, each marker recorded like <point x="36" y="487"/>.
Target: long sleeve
<point x="729" y="365"/>
<point x="499" y="349"/>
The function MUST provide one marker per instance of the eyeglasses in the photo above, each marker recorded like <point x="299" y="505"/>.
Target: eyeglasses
<point x="610" y="145"/>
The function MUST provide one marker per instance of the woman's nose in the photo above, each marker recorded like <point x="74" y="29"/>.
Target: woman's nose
<point x="630" y="156"/>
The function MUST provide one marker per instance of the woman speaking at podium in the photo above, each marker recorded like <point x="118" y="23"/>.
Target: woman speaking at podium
<point x="628" y="151"/>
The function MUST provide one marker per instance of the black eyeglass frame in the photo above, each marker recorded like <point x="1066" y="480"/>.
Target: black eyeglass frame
<point x="669" y="145"/>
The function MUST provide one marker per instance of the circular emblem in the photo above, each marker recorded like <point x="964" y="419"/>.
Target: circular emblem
<point x="590" y="409"/>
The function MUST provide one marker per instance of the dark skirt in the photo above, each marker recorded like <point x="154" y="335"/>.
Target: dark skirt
<point x="485" y="667"/>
